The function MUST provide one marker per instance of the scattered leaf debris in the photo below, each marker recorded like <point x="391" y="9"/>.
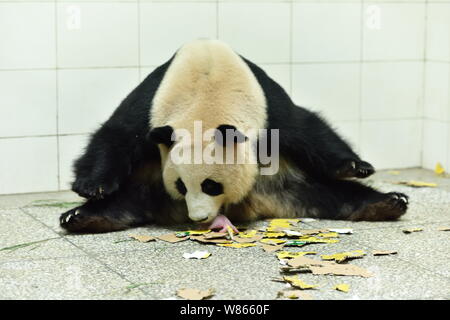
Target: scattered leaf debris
<point x="279" y="235"/>
<point x="443" y="229"/>
<point x="195" y="294"/>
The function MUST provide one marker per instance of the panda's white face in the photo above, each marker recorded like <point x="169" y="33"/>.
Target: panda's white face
<point x="207" y="188"/>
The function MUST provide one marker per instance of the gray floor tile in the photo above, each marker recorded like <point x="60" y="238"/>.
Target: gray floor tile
<point x="17" y="228"/>
<point x="66" y="278"/>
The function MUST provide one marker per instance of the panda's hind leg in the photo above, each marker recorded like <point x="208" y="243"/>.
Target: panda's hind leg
<point x="359" y="202"/>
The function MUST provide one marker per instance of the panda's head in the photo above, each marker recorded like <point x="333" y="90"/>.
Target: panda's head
<point x="206" y="187"/>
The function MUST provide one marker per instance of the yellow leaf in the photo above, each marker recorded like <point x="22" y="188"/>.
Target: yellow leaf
<point x="272" y="241"/>
<point x="342" y="287"/>
<point x="288" y="255"/>
<point x="274" y="234"/>
<point x="329" y="235"/>
<point x="248" y="234"/>
<point x="439" y="170"/>
<point x="340" y="257"/>
<point x="317" y="240"/>
<point x="295" y="282"/>
<point x="418" y="184"/>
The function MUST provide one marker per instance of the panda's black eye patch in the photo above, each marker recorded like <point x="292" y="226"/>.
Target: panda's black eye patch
<point x="181" y="187"/>
<point x="211" y="187"/>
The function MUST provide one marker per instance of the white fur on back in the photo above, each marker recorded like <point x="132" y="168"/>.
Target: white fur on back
<point x="208" y="81"/>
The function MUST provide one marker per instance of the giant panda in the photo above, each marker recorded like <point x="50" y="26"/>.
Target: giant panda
<point x="129" y="178"/>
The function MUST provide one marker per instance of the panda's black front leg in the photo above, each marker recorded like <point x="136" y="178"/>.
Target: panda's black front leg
<point x="106" y="163"/>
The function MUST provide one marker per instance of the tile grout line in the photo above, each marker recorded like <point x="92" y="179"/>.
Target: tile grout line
<point x="58" y="158"/>
<point x="424" y="82"/>
<point x="361" y="56"/>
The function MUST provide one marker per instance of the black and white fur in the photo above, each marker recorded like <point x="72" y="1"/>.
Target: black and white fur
<point x="122" y="172"/>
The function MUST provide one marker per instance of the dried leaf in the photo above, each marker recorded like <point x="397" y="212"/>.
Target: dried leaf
<point x="195" y="294"/>
<point x="182" y="234"/>
<point x="443" y="229"/>
<point x="248" y="234"/>
<point x="295" y="294"/>
<point x="248" y="240"/>
<point x="142" y="238"/>
<point x="411" y="230"/>
<point x="329" y="235"/>
<point x="197" y="255"/>
<point x="274" y="234"/>
<point x="417" y="184"/>
<point x="207" y="240"/>
<point x="215" y="235"/>
<point x="342" y="287"/>
<point x="272" y="241"/>
<point x="341" y="270"/>
<point x="343" y="256"/>
<point x="297" y="283"/>
<point x="383" y="253"/>
<point x="439" y="170"/>
<point x="172" y="238"/>
<point x="291" y="255"/>
<point x="236" y="245"/>
<point x="317" y="240"/>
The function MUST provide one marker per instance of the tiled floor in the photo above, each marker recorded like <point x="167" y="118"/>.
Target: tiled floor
<point x="109" y="266"/>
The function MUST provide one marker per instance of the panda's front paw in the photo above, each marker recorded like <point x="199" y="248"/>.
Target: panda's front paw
<point x="71" y="219"/>
<point x="89" y="189"/>
<point x="355" y="169"/>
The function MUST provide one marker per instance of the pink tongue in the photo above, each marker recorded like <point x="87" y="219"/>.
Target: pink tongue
<point x="221" y="222"/>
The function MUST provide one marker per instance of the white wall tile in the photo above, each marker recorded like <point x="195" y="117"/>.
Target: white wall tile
<point x="28" y="103"/>
<point x="145" y="71"/>
<point x="88" y="97"/>
<point x="438" y="31"/>
<point x="350" y="132"/>
<point x="392" y="90"/>
<point x="330" y="88"/>
<point x="391" y="144"/>
<point x="259" y="32"/>
<point x="27" y="35"/>
<point x="400" y="34"/>
<point x="28" y="165"/>
<point x="70" y="148"/>
<point x="435" y="143"/>
<point x="97" y="34"/>
<point x="326" y="32"/>
<point x="164" y="27"/>
<point x="437" y="91"/>
<point x="280" y="73"/>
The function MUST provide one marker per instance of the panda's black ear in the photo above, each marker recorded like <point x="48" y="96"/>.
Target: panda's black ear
<point x="227" y="134"/>
<point x="161" y="135"/>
